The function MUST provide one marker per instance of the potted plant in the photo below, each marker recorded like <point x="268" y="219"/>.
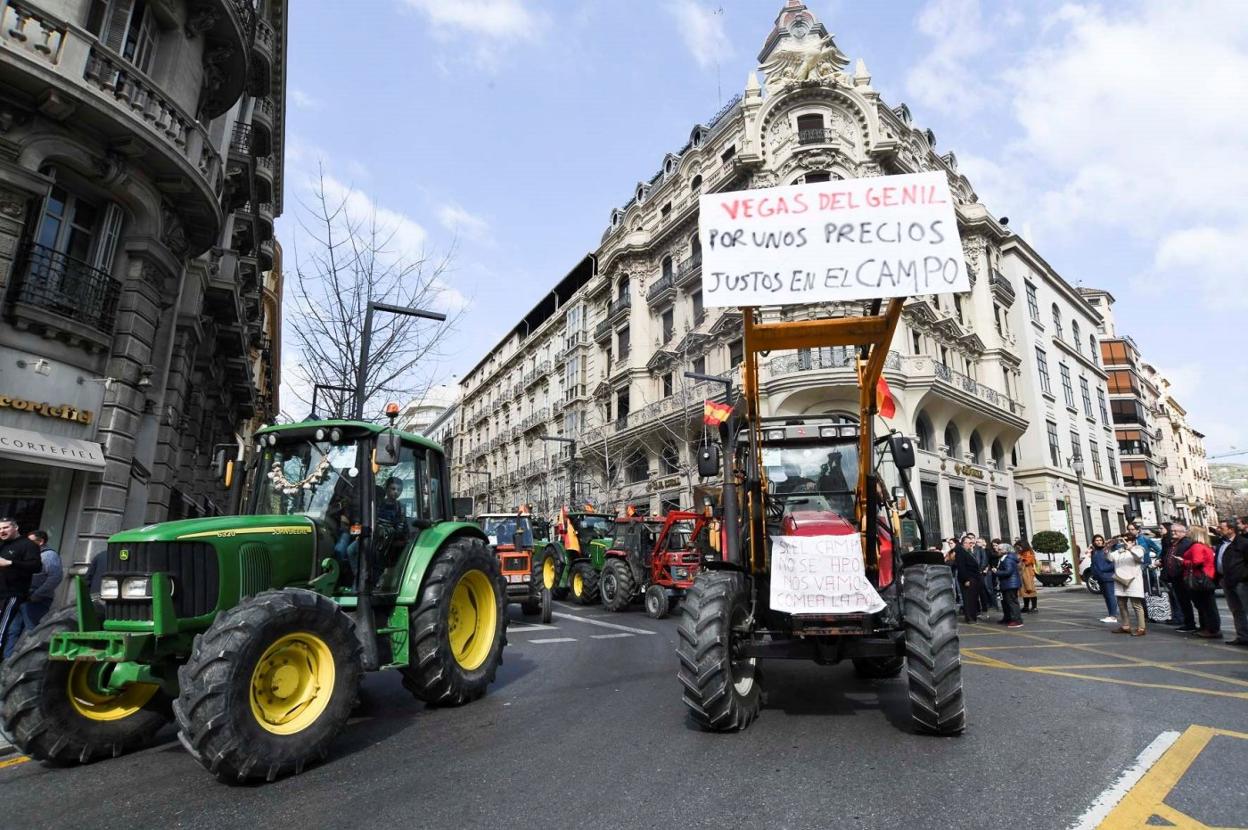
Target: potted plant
<point x="1050" y="543"/>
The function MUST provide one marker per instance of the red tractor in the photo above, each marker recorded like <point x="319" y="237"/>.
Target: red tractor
<point x="655" y="559"/>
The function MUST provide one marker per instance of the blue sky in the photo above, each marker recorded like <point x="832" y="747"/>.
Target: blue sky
<point x="1113" y="136"/>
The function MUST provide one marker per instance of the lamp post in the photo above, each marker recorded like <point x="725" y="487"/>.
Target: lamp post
<point x="361" y="371"/>
<point x="488" y="488"/>
<point x="1077" y="464"/>
<point x="571" y="442"/>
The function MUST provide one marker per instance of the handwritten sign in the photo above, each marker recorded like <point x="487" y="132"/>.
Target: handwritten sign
<point x="821" y="575"/>
<point x="888" y="236"/>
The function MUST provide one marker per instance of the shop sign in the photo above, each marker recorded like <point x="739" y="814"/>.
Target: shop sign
<point x="968" y="470"/>
<point x="64" y="412"/>
<point x="53" y="450"/>
<point x="668" y="483"/>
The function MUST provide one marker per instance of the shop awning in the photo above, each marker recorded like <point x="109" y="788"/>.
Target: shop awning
<point x="50" y="450"/>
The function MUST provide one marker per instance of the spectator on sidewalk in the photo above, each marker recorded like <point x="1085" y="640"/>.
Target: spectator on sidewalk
<point x="1009" y="579"/>
<point x="1232" y="566"/>
<point x="987" y="584"/>
<point x="1129" y="589"/>
<point x="1027" y="571"/>
<point x="1103" y="571"/>
<point x="43" y="587"/>
<point x="1199" y="570"/>
<point x="970" y="578"/>
<point x="19" y="562"/>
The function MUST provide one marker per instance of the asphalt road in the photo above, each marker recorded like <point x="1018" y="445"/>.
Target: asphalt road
<point x="585" y="728"/>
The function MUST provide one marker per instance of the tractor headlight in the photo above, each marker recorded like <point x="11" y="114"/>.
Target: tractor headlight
<point x="775" y="435"/>
<point x="680" y="573"/>
<point x="109" y="588"/>
<point x="827" y="432"/>
<point x="136" y="587"/>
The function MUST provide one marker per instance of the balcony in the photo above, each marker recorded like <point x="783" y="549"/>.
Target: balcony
<point x="1135" y="448"/>
<point x="662" y="292"/>
<point x="539" y="372"/>
<point x="619" y="307"/>
<point x="63" y="297"/>
<point x="603" y="331"/>
<point x="265" y="255"/>
<point x="620" y="423"/>
<point x="263" y="48"/>
<point x="264" y="178"/>
<point x="264" y="212"/>
<point x="1001" y="288"/>
<point x="818" y="135"/>
<point x="689" y="271"/>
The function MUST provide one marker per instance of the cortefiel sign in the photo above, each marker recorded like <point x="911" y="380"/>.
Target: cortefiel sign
<point x="821" y="575"/>
<point x="889" y="236"/>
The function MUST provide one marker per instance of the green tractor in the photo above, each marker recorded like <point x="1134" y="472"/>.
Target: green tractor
<point x="253" y="631"/>
<point x="570" y="562"/>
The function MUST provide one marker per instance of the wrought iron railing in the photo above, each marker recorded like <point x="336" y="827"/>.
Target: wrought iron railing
<point x="818" y="135"/>
<point x="240" y="139"/>
<point x="664" y="284"/>
<point x="50" y="280"/>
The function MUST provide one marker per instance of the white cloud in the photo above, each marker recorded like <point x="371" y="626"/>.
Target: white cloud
<point x="305" y="101"/>
<point x="502" y="20"/>
<point x="702" y="28"/>
<point x="943" y="79"/>
<point x="454" y="218"/>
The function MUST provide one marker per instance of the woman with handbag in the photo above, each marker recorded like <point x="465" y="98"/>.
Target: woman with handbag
<point x="1199" y="569"/>
<point x="1027" y="570"/>
<point x="1129" y="586"/>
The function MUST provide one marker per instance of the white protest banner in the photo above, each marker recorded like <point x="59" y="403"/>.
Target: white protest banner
<point x="853" y="239"/>
<point x="821" y="575"/>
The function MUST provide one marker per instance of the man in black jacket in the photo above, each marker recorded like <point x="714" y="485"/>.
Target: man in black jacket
<point x="20" y="560"/>
<point x="1232" y="567"/>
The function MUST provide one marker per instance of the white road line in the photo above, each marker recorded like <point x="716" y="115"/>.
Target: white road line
<point x="603" y="624"/>
<point x="607" y="636"/>
<point x="554" y="640"/>
<point x="523" y="627"/>
<point x="1109" y="799"/>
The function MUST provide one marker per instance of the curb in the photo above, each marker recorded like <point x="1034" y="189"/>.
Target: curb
<point x="6" y="748"/>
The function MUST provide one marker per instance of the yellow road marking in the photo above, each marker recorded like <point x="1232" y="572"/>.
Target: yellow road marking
<point x="1147" y="798"/>
<point x="12" y="762"/>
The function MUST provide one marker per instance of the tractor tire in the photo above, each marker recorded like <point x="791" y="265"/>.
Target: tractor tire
<point x="544" y="575"/>
<point x="459" y="626"/>
<point x="52" y="711"/>
<point x="269" y="686"/>
<point x="878" y="668"/>
<point x="933" y="659"/>
<point x="657" y="602"/>
<point x="584" y="583"/>
<point x="530" y="607"/>
<point x="723" y="692"/>
<point x="552" y="553"/>
<point x="548" y="606"/>
<point x="615" y="585"/>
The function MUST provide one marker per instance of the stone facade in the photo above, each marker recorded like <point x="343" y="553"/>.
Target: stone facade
<point x="140" y="174"/>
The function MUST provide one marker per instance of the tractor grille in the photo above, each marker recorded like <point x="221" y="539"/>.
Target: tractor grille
<point x="512" y="564"/>
<point x="192" y="565"/>
<point x="257" y="570"/>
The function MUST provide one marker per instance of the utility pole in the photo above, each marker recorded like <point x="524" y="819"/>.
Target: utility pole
<point x="361" y="371"/>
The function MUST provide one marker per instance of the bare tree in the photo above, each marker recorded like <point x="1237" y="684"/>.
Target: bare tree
<point x="354" y="260"/>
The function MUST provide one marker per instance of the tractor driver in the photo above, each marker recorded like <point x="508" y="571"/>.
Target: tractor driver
<point x="831" y="476"/>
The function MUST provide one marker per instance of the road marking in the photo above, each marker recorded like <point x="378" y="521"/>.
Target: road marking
<point x="12" y="762"/>
<point x="523" y="627"/>
<point x="608" y="636"/>
<point x="553" y="640"/>
<point x="603" y="624"/>
<point x="1109" y="799"/>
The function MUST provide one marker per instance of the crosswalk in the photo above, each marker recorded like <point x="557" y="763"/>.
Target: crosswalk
<point x="570" y="624"/>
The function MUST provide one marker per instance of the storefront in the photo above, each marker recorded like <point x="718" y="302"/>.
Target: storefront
<point x="47" y="448"/>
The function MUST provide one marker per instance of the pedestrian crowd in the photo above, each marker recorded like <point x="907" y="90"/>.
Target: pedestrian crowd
<point x="30" y="571"/>
<point x="1170" y="580"/>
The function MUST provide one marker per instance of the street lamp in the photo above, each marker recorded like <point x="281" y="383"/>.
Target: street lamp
<point x="488" y="488"/>
<point x="1077" y="464"/>
<point x="571" y="442"/>
<point x="361" y="371"/>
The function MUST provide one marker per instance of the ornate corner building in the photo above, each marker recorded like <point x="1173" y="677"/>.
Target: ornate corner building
<point x="141" y="151"/>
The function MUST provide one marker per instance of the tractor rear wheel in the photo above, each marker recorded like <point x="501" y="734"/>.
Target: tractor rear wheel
<point x="584" y="583"/>
<point x="268" y="686"/>
<point x="722" y="688"/>
<point x="616" y="585"/>
<point x="878" y="668"/>
<point x="459" y="626"/>
<point x="933" y="658"/>
<point x="56" y="711"/>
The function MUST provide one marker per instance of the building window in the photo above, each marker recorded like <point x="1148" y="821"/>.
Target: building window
<point x="1055" y="451"/>
<point x="999" y="319"/>
<point x="1042" y="366"/>
<point x="621" y="351"/>
<point x="667" y="267"/>
<point x="816" y="177"/>
<point x="977" y="448"/>
<point x="1113" y="467"/>
<point x="931" y="506"/>
<point x="953" y="441"/>
<point x="1123" y="382"/>
<point x="736" y="353"/>
<point x="1074" y="336"/>
<point x="981" y="515"/>
<point x="1003" y="517"/>
<point x="699" y="364"/>
<point x="1105" y="524"/>
<point x="1067" y="389"/>
<point x="957" y="510"/>
<point x="810" y="128"/>
<point x="926" y="435"/>
<point x="669" y="325"/>
<point x="695" y="185"/>
<point x="1076" y="452"/>
<point x="127" y="28"/>
<point x="1033" y="305"/>
<point x="1020" y="510"/>
<point x="667" y="385"/>
<point x="670" y="459"/>
<point x="638" y="468"/>
<point x="695" y="300"/>
<point x="1127" y="412"/>
<point x="727" y="155"/>
<point x="1087" y="397"/>
<point x="1093" y="351"/>
<point x="622" y="286"/>
<point x="1097" y="469"/>
<point x="917" y="342"/>
<point x="1100" y="400"/>
<point x="621" y="406"/>
<point x="957" y="307"/>
<point x="998" y="456"/>
<point x="1057" y="323"/>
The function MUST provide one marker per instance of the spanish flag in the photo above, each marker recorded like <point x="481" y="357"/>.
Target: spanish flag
<point x="714" y="414"/>
<point x="886" y="403"/>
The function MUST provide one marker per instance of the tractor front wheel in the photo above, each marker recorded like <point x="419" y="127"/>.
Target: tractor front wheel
<point x="549" y="568"/>
<point x="933" y="656"/>
<point x="616" y="585"/>
<point x="548" y="606"/>
<point x="722" y="687"/>
<point x="459" y="626"/>
<point x="584" y="583"/>
<point x="657" y="603"/>
<point x="59" y="712"/>
<point x="268" y="686"/>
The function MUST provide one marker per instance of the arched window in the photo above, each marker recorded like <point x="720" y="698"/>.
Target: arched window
<point x="1093" y="351"/>
<point x="977" y="448"/>
<point x="669" y="458"/>
<point x="953" y="440"/>
<point x="998" y="455"/>
<point x="622" y="284"/>
<point x="1057" y="321"/>
<point x="667" y="267"/>
<point x="1075" y="336"/>
<point x="926" y="434"/>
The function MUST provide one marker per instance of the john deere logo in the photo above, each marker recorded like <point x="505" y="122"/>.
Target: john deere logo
<point x="125" y="554"/>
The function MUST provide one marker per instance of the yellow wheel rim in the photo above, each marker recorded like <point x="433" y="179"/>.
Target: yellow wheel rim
<point x="292" y="683"/>
<point x="548" y="572"/>
<point x="473" y="620"/>
<point x="578" y="584"/>
<point x="92" y="704"/>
